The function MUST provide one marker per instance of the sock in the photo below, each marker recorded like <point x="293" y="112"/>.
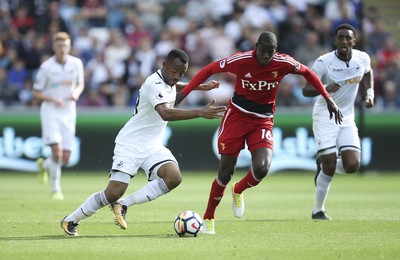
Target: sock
<point x="54" y="175"/>
<point x="149" y="192"/>
<point x="246" y="182"/>
<point x="339" y="167"/>
<point x="321" y="192"/>
<point x="216" y="194"/>
<point x="95" y="202"/>
<point x="47" y="162"/>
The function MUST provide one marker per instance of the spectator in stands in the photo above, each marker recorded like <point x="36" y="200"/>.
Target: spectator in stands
<point x="84" y="45"/>
<point x="117" y="50"/>
<point x="150" y="11"/>
<point x="22" y="21"/>
<point x="94" y="12"/>
<point x="377" y="37"/>
<point x="388" y="53"/>
<point x="391" y="95"/>
<point x="8" y="94"/>
<point x="308" y="52"/>
<point x="93" y="98"/>
<point x="69" y="12"/>
<point x="25" y="95"/>
<point x="371" y="16"/>
<point x="178" y="24"/>
<point x="345" y="17"/>
<point x="134" y="30"/>
<point x="18" y="74"/>
<point x="146" y="56"/>
<point x="334" y="9"/>
<point x="97" y="71"/>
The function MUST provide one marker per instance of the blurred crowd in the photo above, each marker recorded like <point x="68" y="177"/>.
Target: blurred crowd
<point x="121" y="42"/>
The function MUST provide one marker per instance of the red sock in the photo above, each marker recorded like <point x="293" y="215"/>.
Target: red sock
<point x="248" y="181"/>
<point x="216" y="194"/>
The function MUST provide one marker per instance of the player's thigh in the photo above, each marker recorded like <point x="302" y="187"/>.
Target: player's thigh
<point x="126" y="160"/>
<point x="325" y="134"/>
<point x="350" y="148"/>
<point x="260" y="136"/>
<point x="161" y="157"/>
<point x="68" y="133"/>
<point x="348" y="139"/>
<point x="231" y="133"/>
<point x="51" y="130"/>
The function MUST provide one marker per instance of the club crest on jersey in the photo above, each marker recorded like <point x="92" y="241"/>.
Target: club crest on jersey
<point x="160" y="95"/>
<point x="222" y="63"/>
<point x="274" y="74"/>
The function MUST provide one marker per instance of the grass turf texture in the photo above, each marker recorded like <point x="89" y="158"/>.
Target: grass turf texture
<point x="277" y="222"/>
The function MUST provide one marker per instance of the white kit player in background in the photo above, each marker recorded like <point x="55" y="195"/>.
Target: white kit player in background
<point x="338" y="146"/>
<point x="139" y="145"/>
<point x="58" y="85"/>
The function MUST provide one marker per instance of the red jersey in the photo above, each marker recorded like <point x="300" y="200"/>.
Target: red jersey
<point x="256" y="84"/>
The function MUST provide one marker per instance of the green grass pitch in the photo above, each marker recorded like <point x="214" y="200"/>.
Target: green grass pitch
<point x="276" y="225"/>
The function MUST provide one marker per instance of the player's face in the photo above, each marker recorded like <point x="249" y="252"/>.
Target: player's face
<point x="264" y="52"/>
<point x="345" y="41"/>
<point x="173" y="71"/>
<point x="61" y="48"/>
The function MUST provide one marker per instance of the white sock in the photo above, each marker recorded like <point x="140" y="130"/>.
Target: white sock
<point x="148" y="192"/>
<point x="95" y="202"/>
<point x="321" y="192"/>
<point x="339" y="166"/>
<point x="55" y="175"/>
<point x="47" y="162"/>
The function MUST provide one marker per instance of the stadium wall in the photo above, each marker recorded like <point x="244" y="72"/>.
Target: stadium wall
<point x="193" y="142"/>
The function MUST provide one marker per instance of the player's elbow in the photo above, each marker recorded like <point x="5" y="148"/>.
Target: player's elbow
<point x="306" y="92"/>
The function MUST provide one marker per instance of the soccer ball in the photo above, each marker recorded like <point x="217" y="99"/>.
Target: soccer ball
<point x="188" y="224"/>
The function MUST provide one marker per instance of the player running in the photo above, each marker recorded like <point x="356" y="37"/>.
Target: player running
<point x="250" y="116"/>
<point x="341" y="71"/>
<point x="139" y="145"/>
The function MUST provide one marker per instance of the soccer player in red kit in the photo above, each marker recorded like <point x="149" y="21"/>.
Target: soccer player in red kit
<point x="250" y="115"/>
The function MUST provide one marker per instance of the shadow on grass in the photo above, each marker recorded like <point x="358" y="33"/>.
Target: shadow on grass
<point x="61" y="237"/>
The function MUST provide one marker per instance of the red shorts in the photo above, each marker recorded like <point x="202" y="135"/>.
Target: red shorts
<point x="238" y="128"/>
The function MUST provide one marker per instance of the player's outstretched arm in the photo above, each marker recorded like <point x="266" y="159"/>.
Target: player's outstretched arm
<point x="313" y="79"/>
<point x="169" y="113"/>
<point x="198" y="79"/>
<point x="211" y="112"/>
<point x="212" y="84"/>
<point x="310" y="91"/>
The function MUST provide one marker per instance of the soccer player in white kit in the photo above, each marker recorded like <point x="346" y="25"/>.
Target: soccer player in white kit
<point x="341" y="71"/>
<point x="58" y="84"/>
<point x="139" y="144"/>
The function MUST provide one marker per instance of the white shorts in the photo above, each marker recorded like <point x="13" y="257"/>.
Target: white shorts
<point x="58" y="130"/>
<point x="331" y="138"/>
<point x="127" y="161"/>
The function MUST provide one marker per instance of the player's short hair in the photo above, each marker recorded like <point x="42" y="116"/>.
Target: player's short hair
<point x="61" y="36"/>
<point x="346" y="26"/>
<point x="178" y="54"/>
<point x="268" y="37"/>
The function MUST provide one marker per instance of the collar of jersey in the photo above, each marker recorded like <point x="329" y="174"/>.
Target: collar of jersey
<point x="160" y="75"/>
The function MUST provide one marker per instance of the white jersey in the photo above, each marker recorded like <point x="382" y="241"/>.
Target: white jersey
<point x="60" y="81"/>
<point x="330" y="69"/>
<point x="144" y="131"/>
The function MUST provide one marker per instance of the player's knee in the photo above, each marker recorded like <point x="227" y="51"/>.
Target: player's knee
<point x="329" y="168"/>
<point x="261" y="171"/>
<point x="173" y="181"/>
<point x="351" y="167"/>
